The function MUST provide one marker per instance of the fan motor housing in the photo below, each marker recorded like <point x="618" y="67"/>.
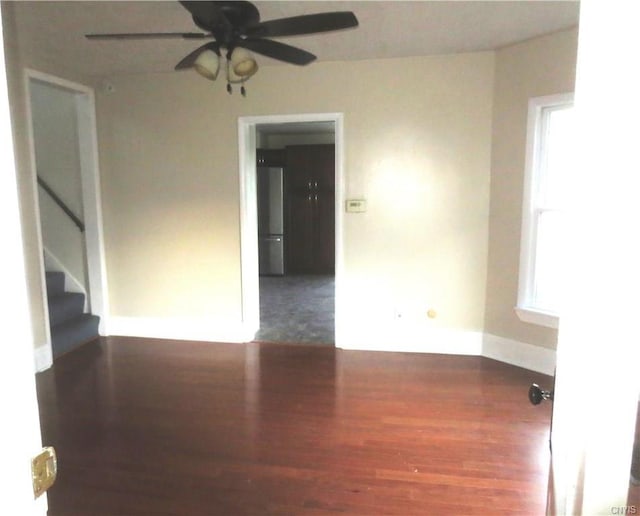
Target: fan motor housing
<point x="239" y="14"/>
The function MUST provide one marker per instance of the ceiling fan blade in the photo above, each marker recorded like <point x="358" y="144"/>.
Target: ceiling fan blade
<point x="207" y="15"/>
<point x="150" y="35"/>
<point x="187" y="62"/>
<point x="277" y="50"/>
<point x="305" y="24"/>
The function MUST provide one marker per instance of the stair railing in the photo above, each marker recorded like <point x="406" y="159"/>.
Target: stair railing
<point x="76" y="220"/>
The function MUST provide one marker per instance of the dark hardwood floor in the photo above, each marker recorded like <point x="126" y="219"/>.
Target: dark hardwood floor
<point x="186" y="428"/>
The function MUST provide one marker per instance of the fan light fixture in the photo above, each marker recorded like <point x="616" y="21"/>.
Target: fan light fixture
<point x="236" y="29"/>
<point x="243" y="63"/>
<point x="207" y="64"/>
<point x="240" y="66"/>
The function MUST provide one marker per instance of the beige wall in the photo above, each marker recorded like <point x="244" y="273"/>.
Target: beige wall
<point x="57" y="155"/>
<point x="417" y="147"/>
<point x="55" y="128"/>
<point x="19" y="54"/>
<point x="542" y="66"/>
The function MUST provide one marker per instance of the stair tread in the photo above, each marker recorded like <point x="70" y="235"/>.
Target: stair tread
<point x="55" y="281"/>
<point x="70" y="326"/>
<point x="72" y="334"/>
<point x="63" y="295"/>
<point x="75" y="321"/>
<point x="65" y="306"/>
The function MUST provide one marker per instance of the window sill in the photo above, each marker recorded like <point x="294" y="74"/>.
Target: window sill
<point x="533" y="316"/>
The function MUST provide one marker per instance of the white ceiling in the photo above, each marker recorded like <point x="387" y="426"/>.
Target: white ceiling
<point x="387" y="29"/>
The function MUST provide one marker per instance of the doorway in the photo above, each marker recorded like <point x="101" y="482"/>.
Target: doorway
<point x="64" y="158"/>
<point x="295" y="167"/>
<point x="297" y="298"/>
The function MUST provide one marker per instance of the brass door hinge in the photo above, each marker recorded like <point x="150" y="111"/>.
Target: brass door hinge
<point x="44" y="468"/>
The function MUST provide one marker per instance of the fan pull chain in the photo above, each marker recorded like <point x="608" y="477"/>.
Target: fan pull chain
<point x="229" y="88"/>
<point x="242" y="80"/>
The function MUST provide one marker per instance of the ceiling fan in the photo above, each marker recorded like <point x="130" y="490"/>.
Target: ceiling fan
<point x="236" y="29"/>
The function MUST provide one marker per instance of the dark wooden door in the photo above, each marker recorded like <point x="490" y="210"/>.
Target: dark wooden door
<point x="300" y="245"/>
<point x="310" y="230"/>
<point x="270" y="157"/>
<point x="325" y="206"/>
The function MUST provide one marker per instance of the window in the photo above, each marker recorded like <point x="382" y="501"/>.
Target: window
<point x="549" y="133"/>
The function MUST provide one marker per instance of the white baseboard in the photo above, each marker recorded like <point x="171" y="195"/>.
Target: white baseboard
<point x="43" y="358"/>
<point x="180" y="328"/>
<point x="397" y="338"/>
<point x="411" y="339"/>
<point x="424" y="339"/>
<point x="534" y="358"/>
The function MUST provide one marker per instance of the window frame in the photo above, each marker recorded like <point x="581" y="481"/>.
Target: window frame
<point x="536" y="125"/>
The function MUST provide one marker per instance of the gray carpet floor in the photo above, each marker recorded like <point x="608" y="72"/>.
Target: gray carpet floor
<point x="297" y="309"/>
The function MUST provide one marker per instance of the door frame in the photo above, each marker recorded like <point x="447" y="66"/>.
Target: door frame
<point x="249" y="210"/>
<point x="97" y="294"/>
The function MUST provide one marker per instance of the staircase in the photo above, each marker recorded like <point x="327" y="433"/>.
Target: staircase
<point x="70" y="326"/>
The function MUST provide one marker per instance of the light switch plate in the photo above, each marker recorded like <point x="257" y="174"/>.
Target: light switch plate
<point x="356" y="205"/>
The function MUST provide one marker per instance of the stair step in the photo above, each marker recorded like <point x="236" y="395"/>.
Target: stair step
<point x="55" y="282"/>
<point x="65" y="306"/>
<point x="73" y="333"/>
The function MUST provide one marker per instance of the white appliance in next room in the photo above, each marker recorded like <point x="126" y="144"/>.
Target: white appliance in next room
<point x="270" y="221"/>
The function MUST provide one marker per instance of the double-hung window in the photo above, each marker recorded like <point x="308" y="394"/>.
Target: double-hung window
<point x="549" y="153"/>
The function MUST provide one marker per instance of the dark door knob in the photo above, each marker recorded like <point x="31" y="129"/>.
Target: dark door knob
<point x="536" y="394"/>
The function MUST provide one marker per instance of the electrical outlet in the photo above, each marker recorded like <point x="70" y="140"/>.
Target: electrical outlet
<point x="414" y="314"/>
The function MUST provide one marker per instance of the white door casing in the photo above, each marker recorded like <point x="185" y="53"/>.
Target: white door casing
<point x="91" y="196"/>
<point x="249" y="211"/>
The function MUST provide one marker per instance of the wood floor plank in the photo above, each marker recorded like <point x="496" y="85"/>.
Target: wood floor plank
<point x="146" y="426"/>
